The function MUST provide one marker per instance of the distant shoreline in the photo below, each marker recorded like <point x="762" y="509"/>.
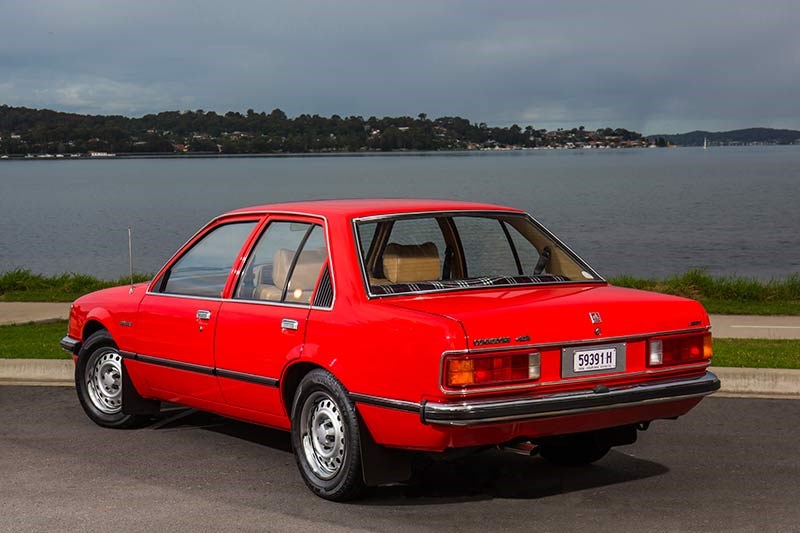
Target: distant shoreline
<point x="376" y="153"/>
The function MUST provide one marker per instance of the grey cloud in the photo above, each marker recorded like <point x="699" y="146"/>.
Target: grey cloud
<point x="651" y="66"/>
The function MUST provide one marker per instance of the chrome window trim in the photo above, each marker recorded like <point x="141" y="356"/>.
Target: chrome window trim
<point x="531" y="385"/>
<point x="325" y="228"/>
<point x="327" y="262"/>
<point x="184" y="296"/>
<point x="469" y="212"/>
<point x="233" y="300"/>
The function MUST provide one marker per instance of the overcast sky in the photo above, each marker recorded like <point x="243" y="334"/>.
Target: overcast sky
<point x="656" y="67"/>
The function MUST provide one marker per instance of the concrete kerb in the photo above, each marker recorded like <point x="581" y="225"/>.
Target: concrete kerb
<point x="57" y="372"/>
<point x="739" y="382"/>
<point x="759" y="382"/>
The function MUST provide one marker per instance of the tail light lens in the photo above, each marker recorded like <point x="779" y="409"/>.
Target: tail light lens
<point x="483" y="370"/>
<point x="679" y="349"/>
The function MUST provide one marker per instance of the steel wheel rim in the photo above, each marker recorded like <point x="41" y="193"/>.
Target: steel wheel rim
<point x="323" y="435"/>
<point x="104" y="381"/>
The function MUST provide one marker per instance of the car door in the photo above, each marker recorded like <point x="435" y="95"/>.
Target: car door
<point x="262" y="324"/>
<point x="177" y="317"/>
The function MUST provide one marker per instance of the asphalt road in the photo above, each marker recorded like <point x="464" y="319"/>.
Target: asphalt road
<point x="730" y="465"/>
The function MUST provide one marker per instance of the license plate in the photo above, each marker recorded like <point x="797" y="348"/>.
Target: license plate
<point x="594" y="359"/>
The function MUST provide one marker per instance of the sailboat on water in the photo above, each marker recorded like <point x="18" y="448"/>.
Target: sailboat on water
<point x="705" y="143"/>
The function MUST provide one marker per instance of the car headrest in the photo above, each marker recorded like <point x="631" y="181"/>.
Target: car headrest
<point x="407" y="263"/>
<point x="306" y="271"/>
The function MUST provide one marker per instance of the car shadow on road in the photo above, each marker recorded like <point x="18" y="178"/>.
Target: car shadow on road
<point x="481" y="476"/>
<point x="496" y="474"/>
<point x="178" y="418"/>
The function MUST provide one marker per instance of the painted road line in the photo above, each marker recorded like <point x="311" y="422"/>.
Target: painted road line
<point x="762" y="327"/>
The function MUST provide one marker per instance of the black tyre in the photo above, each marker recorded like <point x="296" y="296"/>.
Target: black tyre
<point x="98" y="381"/>
<point x="326" y="437"/>
<point x="574" y="450"/>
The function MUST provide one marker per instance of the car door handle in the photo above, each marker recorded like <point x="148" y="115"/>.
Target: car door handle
<point x="288" y="323"/>
<point x="203" y="314"/>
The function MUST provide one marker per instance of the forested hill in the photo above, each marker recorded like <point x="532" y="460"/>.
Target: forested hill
<point x="33" y="131"/>
<point x="735" y="137"/>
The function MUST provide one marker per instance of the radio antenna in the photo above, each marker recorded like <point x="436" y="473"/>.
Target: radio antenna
<point x="130" y="258"/>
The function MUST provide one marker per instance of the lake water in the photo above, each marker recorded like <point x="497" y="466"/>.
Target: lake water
<point x="647" y="212"/>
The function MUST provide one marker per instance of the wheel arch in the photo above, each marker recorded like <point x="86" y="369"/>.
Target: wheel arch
<point x="379" y="465"/>
<point x="91" y="327"/>
<point x="291" y="378"/>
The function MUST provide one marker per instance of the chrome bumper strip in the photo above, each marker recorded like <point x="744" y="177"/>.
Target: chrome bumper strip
<point x="70" y="345"/>
<point x="470" y="413"/>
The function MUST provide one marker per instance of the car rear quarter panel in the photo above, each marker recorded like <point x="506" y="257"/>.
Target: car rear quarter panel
<point x="371" y="347"/>
<point x="382" y="351"/>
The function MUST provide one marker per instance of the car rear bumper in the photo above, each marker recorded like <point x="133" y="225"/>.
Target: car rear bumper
<point x="470" y="413"/>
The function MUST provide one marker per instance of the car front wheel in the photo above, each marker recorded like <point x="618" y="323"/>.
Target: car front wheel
<point x="98" y="381"/>
<point x="326" y="438"/>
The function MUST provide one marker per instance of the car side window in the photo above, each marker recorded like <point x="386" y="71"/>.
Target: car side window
<point x="203" y="270"/>
<point x="285" y="264"/>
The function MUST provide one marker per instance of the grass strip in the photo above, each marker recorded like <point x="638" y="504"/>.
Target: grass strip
<point x="24" y="286"/>
<point x="727" y="295"/>
<point x="35" y="340"/>
<point x="757" y="353"/>
<point x="40" y="341"/>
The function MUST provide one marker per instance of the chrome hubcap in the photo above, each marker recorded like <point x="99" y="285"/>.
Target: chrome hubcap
<point x="323" y="435"/>
<point x="104" y="381"/>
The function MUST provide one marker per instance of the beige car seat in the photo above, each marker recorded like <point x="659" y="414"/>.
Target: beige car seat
<point x="407" y="263"/>
<point x="304" y="278"/>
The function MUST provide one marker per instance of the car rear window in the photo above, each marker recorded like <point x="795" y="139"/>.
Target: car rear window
<point x="447" y="251"/>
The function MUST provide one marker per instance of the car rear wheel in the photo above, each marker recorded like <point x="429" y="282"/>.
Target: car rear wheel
<point x="326" y="438"/>
<point x="98" y="381"/>
<point x="574" y="450"/>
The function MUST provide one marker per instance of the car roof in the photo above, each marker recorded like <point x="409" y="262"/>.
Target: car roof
<point x="364" y="207"/>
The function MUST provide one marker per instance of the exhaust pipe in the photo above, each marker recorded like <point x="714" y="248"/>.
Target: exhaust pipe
<point x="525" y="447"/>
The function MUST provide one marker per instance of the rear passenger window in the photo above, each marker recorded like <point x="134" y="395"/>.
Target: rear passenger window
<point x="284" y="265"/>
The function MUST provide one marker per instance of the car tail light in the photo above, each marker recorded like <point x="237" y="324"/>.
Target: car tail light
<point x="482" y="370"/>
<point x="679" y="349"/>
<point x="656" y="352"/>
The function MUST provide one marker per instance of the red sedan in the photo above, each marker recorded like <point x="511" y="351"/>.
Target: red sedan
<point x="372" y="328"/>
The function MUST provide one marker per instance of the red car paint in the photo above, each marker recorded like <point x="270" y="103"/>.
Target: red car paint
<point x="388" y="351"/>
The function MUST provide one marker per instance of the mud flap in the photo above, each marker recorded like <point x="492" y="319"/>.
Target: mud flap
<point x="132" y="402"/>
<point x="381" y="465"/>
